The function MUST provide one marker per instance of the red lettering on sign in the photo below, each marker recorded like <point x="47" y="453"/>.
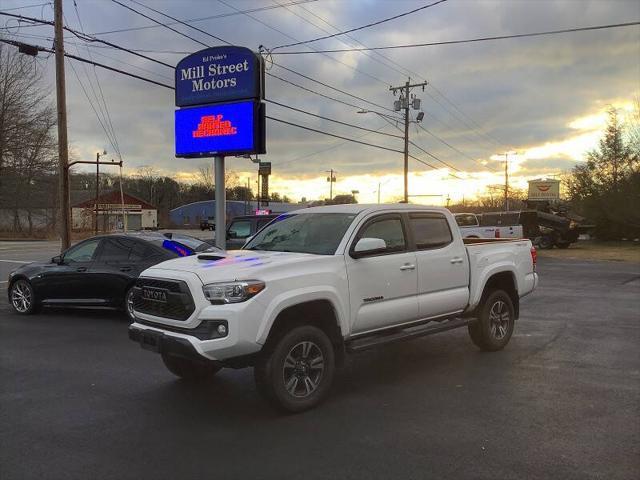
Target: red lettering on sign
<point x="214" y="126"/>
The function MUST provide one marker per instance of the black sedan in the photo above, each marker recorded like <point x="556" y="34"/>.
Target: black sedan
<point x="97" y="272"/>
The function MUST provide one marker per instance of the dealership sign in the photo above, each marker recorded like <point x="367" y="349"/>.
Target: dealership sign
<point x="220" y="89"/>
<point x="219" y="74"/>
<point x="544" y="189"/>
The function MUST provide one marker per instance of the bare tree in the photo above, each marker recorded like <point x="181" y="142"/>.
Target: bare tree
<point x="27" y="145"/>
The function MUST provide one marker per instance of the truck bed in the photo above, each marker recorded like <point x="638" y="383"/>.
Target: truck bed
<point x="489" y="255"/>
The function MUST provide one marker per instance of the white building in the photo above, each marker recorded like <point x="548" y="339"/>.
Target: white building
<point x="138" y="214"/>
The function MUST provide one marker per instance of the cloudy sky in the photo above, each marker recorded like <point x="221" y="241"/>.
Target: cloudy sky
<point x="544" y="97"/>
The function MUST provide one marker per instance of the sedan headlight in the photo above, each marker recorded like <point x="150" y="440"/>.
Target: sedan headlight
<point x="232" y="292"/>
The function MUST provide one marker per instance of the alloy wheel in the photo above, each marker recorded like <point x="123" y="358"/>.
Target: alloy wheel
<point x="500" y="318"/>
<point x="21" y="296"/>
<point x="303" y="369"/>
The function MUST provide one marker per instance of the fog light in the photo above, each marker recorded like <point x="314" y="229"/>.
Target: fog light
<point x="222" y="329"/>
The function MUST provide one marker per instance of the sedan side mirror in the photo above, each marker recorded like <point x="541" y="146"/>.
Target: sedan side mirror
<point x="369" y="246"/>
<point x="57" y="259"/>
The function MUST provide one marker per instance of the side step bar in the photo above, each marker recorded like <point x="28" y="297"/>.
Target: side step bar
<point x="375" y="340"/>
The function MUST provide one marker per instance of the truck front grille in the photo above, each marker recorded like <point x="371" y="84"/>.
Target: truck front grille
<point x="169" y="299"/>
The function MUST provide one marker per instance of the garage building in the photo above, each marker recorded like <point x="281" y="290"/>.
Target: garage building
<point x="138" y="213"/>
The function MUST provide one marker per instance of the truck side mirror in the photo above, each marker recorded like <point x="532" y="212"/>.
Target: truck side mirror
<point x="368" y="246"/>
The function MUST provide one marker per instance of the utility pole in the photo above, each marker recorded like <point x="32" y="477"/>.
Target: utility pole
<point x="404" y="104"/>
<point x="331" y="179"/>
<point x="63" y="148"/>
<point x="98" y="186"/>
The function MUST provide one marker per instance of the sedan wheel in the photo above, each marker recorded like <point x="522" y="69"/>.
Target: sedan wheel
<point x="22" y="297"/>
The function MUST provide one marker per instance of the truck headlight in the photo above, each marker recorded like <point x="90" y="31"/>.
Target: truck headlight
<point x="232" y="292"/>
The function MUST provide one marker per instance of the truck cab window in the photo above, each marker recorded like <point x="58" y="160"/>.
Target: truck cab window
<point x="240" y="229"/>
<point x="388" y="229"/>
<point x="430" y="231"/>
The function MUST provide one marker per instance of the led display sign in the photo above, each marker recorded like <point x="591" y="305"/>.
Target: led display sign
<point x="219" y="74"/>
<point x="224" y="129"/>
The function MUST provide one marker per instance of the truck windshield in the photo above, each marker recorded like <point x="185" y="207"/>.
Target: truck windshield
<point x="318" y="233"/>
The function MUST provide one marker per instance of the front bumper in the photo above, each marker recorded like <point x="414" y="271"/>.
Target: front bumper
<point x="162" y="337"/>
<point x="158" y="342"/>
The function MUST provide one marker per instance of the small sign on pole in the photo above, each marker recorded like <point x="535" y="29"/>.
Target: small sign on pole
<point x="544" y="190"/>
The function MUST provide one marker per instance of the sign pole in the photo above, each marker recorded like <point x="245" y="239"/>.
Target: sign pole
<point x="220" y="197"/>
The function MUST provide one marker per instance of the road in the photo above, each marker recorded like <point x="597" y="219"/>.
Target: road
<point x="78" y="400"/>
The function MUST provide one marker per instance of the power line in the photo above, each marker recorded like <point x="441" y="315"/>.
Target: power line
<point x="361" y="27"/>
<point x="331" y="119"/>
<point x="80" y="59"/>
<point x="295" y="39"/>
<point x="268" y="73"/>
<point x="331" y="87"/>
<point x="88" y="38"/>
<point x="168" y="16"/>
<point x="128" y="50"/>
<point x="471" y="40"/>
<point x="160" y="23"/>
<point x="104" y="102"/>
<point x="387" y="59"/>
<point x="426" y="152"/>
<point x="446" y="143"/>
<point x="317" y="152"/>
<point x="211" y="17"/>
<point x="26" y="6"/>
<point x="369" y="55"/>
<point x="333" y="135"/>
<point x="314" y="92"/>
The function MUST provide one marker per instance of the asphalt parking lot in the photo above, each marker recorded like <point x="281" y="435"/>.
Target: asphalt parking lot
<point x="78" y="400"/>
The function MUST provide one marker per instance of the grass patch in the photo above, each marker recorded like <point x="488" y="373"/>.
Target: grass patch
<point x="597" y="250"/>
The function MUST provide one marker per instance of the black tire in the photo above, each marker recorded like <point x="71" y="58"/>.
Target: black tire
<point x="128" y="304"/>
<point x="563" y="245"/>
<point x="23" y="298"/>
<point x="296" y="370"/>
<point x="496" y="319"/>
<point x="190" y="370"/>
<point x="545" y="242"/>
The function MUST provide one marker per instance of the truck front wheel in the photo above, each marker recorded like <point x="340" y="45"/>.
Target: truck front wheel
<point x="189" y="370"/>
<point x="295" y="372"/>
<point x="494" y="326"/>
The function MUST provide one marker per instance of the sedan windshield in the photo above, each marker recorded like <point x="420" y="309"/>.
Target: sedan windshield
<point x="318" y="233"/>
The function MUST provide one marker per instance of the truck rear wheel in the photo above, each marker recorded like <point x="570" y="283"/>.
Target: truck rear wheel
<point x="494" y="326"/>
<point x="189" y="370"/>
<point x="295" y="372"/>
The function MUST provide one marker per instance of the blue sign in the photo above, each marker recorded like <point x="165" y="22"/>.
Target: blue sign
<point x="226" y="129"/>
<point x="219" y="74"/>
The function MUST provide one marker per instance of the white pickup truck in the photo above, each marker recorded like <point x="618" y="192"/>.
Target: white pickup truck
<point x="320" y="282"/>
<point x="470" y="228"/>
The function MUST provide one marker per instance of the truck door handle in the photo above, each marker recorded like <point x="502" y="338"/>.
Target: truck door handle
<point x="455" y="260"/>
<point x="408" y="266"/>
<point x="81" y="269"/>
